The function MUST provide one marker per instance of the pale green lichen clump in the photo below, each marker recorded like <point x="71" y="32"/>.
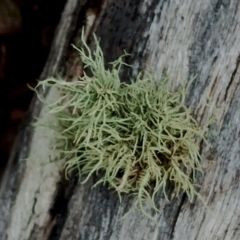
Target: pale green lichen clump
<point x="140" y="137"/>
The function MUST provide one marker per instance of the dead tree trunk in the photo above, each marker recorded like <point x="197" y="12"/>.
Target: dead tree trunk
<point x="185" y="38"/>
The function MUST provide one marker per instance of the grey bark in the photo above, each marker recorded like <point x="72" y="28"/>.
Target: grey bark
<point x="184" y="38"/>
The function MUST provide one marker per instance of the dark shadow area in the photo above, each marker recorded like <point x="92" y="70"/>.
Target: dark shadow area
<point x="26" y="31"/>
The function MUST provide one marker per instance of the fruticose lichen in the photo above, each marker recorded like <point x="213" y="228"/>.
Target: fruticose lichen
<point x="140" y="138"/>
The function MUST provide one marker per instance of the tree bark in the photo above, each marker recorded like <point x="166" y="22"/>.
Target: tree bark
<point x="184" y="38"/>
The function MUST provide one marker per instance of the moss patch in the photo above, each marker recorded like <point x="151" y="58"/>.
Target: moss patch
<point x="141" y="136"/>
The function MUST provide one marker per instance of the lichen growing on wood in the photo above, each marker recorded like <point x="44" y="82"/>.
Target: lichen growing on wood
<point x="140" y="138"/>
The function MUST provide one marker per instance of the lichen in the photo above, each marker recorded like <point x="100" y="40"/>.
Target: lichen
<point x="140" y="138"/>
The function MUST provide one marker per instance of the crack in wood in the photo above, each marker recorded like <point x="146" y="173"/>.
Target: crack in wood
<point x="232" y="77"/>
<point x="59" y="209"/>
<point x="184" y="197"/>
<point x="197" y="234"/>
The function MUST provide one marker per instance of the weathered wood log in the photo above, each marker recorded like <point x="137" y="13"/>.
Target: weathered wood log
<point x="185" y="38"/>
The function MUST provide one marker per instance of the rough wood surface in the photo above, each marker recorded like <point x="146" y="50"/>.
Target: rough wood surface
<point x="185" y="38"/>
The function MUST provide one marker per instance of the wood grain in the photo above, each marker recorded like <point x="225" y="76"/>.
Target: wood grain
<point x="185" y="38"/>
